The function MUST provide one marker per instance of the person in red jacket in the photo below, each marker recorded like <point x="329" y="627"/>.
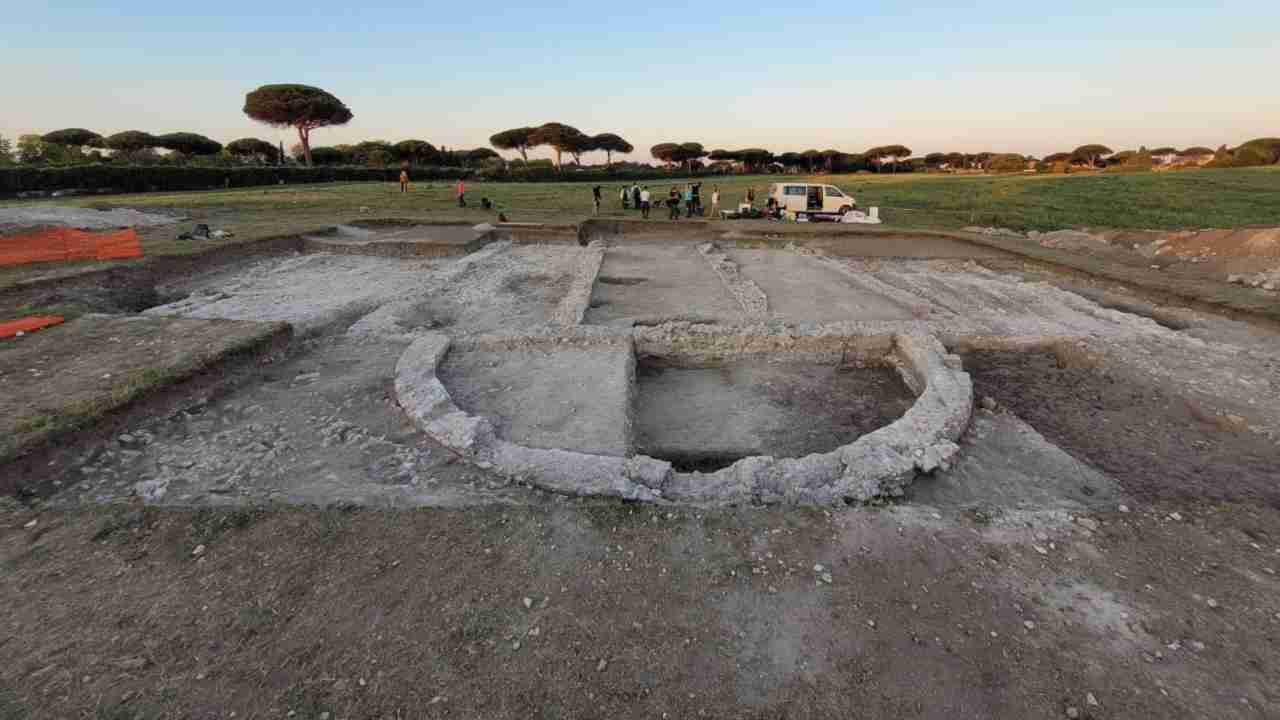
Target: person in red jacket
<point x="462" y="193"/>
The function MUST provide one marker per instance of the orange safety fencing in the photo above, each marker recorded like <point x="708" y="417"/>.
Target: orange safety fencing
<point x="28" y="324"/>
<point x="64" y="244"/>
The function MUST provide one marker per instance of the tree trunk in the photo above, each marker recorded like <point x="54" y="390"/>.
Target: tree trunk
<point x="524" y="153"/>
<point x="608" y="158"/>
<point x="304" y="136"/>
<point x="559" y="164"/>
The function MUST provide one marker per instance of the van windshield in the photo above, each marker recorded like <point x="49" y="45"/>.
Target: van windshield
<point x="834" y="191"/>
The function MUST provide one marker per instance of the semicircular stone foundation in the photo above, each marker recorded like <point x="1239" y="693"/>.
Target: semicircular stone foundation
<point x="880" y="463"/>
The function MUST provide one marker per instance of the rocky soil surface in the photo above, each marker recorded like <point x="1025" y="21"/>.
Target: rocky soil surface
<point x="1105" y="546"/>
<point x="21" y="216"/>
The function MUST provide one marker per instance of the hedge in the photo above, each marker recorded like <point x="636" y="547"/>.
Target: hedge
<point x="159" y="178"/>
<point x="165" y="178"/>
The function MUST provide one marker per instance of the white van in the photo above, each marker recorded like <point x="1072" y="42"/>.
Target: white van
<point x="807" y="200"/>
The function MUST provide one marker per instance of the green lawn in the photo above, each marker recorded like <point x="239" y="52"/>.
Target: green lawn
<point x="1174" y="200"/>
<point x="1165" y="201"/>
<point x="1193" y="199"/>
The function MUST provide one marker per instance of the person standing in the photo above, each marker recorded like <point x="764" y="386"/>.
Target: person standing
<point x="404" y="181"/>
<point x="635" y="195"/>
<point x="625" y="195"/>
<point x="715" y="201"/>
<point x="644" y="202"/>
<point x="751" y="197"/>
<point x="673" y="203"/>
<point x="595" y="198"/>
<point x="688" y="201"/>
<point x="462" y="193"/>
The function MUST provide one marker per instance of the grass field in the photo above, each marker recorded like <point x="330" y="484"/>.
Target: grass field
<point x="1179" y="200"/>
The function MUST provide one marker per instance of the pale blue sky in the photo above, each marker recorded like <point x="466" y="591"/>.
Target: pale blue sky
<point x="1006" y="76"/>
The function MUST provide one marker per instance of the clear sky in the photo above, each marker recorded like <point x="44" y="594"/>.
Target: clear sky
<point x="1006" y="76"/>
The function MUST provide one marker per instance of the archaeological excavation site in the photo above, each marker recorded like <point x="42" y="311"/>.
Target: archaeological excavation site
<point x="395" y="364"/>
<point x="623" y="469"/>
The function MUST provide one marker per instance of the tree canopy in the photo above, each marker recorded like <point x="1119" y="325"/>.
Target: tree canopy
<point x="888" y="153"/>
<point x="610" y="144"/>
<point x="378" y="153"/>
<point x="791" y="159"/>
<point x="753" y="158"/>
<point x="678" y="153"/>
<point x="1260" y="151"/>
<point x="131" y="140"/>
<point x="327" y="155"/>
<point x="301" y="107"/>
<point x="576" y="145"/>
<point x="73" y="137"/>
<point x="480" y="155"/>
<point x="1090" y="154"/>
<point x="188" y="143"/>
<point x="253" y="148"/>
<point x="519" y="139"/>
<point x="561" y="138"/>
<point x="1007" y="162"/>
<point x="416" y="152"/>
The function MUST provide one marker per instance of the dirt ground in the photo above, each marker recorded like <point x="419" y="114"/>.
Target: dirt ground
<point x="19" y="216"/>
<point x="1158" y="445"/>
<point x="131" y="355"/>
<point x="1105" y="546"/>
<point x="575" y="400"/>
<point x="646" y="283"/>
<point x="607" y="610"/>
<point x="798" y="290"/>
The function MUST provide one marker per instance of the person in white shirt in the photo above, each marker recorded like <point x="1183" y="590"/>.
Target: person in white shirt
<point x="644" y="202"/>
<point x="715" y="201"/>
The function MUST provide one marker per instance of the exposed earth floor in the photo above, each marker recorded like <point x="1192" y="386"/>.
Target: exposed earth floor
<point x="279" y="536"/>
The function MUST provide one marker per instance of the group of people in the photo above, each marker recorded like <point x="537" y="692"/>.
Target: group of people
<point x="689" y="197"/>
<point x="633" y="196"/>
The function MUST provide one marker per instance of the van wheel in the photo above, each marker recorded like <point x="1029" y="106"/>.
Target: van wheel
<point x="845" y="209"/>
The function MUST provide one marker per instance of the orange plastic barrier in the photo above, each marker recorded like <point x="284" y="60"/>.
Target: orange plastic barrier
<point x="64" y="244"/>
<point x="28" y="324"/>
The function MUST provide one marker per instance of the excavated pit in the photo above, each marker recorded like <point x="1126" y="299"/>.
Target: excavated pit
<point x="706" y="418"/>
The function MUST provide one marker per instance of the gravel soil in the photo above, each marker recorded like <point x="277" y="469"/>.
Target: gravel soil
<point x="610" y="610"/>
<point x="1157" y="444"/>
<point x="1119" y="562"/>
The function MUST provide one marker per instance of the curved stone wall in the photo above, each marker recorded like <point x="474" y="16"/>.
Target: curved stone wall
<point x="878" y="464"/>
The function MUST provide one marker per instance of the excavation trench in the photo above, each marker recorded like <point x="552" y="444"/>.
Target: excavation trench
<point x="640" y="370"/>
<point x="705" y="417"/>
